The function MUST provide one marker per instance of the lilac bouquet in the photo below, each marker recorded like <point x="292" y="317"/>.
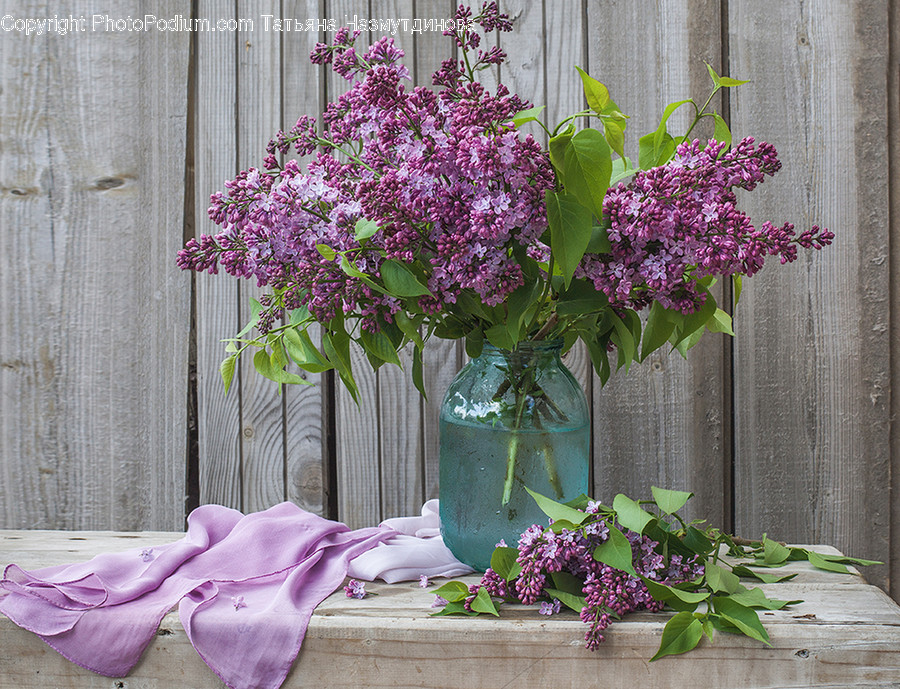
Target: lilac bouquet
<point x="429" y="213"/>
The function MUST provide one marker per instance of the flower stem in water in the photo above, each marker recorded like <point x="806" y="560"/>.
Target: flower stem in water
<point x="511" y="452"/>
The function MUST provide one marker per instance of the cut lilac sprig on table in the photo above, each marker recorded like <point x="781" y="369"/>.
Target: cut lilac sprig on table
<point x="605" y="562"/>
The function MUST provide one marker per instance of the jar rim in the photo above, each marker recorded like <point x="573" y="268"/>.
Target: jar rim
<point x="528" y="346"/>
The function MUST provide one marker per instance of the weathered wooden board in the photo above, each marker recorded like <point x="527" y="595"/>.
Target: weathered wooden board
<point x="216" y="297"/>
<point x="258" y="117"/>
<point x="95" y="317"/>
<point x="305" y="407"/>
<point x="812" y="353"/>
<point x="893" y="89"/>
<point x="664" y="423"/>
<point x="845" y="633"/>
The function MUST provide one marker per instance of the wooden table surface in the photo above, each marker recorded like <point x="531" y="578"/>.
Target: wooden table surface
<point x="846" y="633"/>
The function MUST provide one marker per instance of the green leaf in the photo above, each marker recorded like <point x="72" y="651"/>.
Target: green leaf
<point x="744" y="618"/>
<point x="650" y="155"/>
<point x="764" y="577"/>
<point x="670" y="501"/>
<point x="263" y="365"/>
<point x="453" y="591"/>
<point x="756" y="598"/>
<point x="817" y="560"/>
<point x="661" y="131"/>
<point x="580" y="298"/>
<point x="304" y="353"/>
<point x="255" y="310"/>
<point x="596" y="94"/>
<point x="337" y="348"/>
<point x="708" y="628"/>
<point x="518" y="303"/>
<point x="843" y="559"/>
<point x="227" y="371"/>
<point x="681" y="634"/>
<point x="364" y="229"/>
<point x="556" y="510"/>
<point x="616" y="552"/>
<point x="728" y="82"/>
<point x="454" y="608"/>
<point x="697" y="320"/>
<point x="599" y="242"/>
<point x="623" y="338"/>
<point x="474" y="343"/>
<point x="498" y="335"/>
<point x="722" y="132"/>
<point x="567" y="583"/>
<point x="720" y="579"/>
<point x="614" y="133"/>
<point x="409" y="327"/>
<point x="558" y="145"/>
<point x="327" y="252"/>
<point x="400" y="280"/>
<point x="720" y="322"/>
<point x="697" y="542"/>
<point x="622" y="168"/>
<point x="630" y="514"/>
<point x="529" y="115"/>
<point x="503" y="562"/>
<point x="572" y="602"/>
<point x="712" y="74"/>
<point x="378" y="344"/>
<point x="775" y="553"/>
<point x="418" y="373"/>
<point x="664" y="592"/>
<point x="588" y="168"/>
<point x="737" y="286"/>
<point x="483" y="603"/>
<point x="570" y="232"/>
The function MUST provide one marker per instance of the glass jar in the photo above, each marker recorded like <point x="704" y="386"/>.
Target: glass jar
<point x="509" y="420"/>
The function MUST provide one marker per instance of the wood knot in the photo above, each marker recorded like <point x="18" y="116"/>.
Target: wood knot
<point x="105" y="183"/>
<point x="802" y="653"/>
<point x="248" y="432"/>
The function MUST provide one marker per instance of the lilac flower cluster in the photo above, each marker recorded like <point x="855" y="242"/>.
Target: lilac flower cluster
<point x="680" y="221"/>
<point x="609" y="593"/>
<point x="445" y="175"/>
<point x="355" y="589"/>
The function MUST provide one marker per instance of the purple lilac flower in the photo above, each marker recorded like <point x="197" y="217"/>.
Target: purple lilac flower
<point x="423" y="581"/>
<point x="439" y="602"/>
<point x="607" y="591"/>
<point x="355" y="589"/>
<point x="675" y="223"/>
<point x="550" y="608"/>
<point x="444" y="175"/>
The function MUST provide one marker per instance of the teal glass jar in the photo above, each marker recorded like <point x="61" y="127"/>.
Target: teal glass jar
<point x="509" y="420"/>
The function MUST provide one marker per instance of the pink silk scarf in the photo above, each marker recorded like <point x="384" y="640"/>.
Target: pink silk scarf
<point x="245" y="587"/>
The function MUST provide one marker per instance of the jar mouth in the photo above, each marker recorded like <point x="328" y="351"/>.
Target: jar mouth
<point x="528" y="346"/>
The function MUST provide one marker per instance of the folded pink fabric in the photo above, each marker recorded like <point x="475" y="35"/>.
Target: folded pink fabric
<point x="245" y="586"/>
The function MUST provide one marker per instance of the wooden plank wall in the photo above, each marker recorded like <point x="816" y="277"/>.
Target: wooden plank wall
<point x="94" y="316"/>
<point x="784" y="429"/>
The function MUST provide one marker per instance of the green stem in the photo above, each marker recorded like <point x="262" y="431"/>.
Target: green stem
<point x="699" y="114"/>
<point x="552" y="474"/>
